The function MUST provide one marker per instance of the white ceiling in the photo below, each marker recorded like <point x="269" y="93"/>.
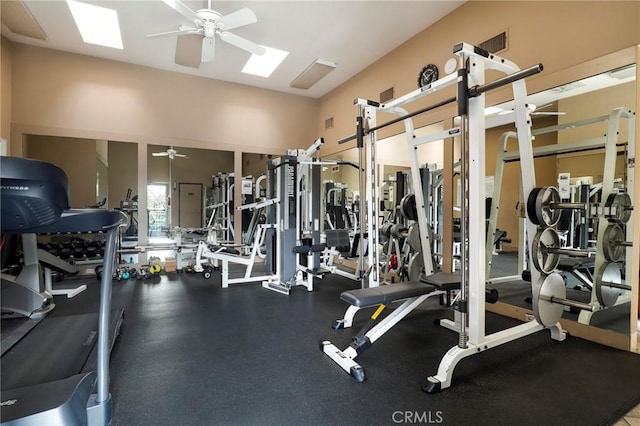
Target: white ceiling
<point x="353" y="34"/>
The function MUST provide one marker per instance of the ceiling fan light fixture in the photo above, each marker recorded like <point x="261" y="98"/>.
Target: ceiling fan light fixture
<point x="97" y="25"/>
<point x="313" y="73"/>
<point x="264" y="65"/>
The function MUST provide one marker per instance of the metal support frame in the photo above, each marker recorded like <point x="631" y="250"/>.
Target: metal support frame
<point x="471" y="106"/>
<point x="479" y="61"/>
<point x="295" y="181"/>
<point x="204" y="252"/>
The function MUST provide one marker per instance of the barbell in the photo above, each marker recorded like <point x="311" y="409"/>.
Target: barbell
<point x="613" y="243"/>
<point x="608" y="284"/>
<point x="618" y="208"/>
<point x="552" y="300"/>
<point x="546" y="251"/>
<point x="544" y="206"/>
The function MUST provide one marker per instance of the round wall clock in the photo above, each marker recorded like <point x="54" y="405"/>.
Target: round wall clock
<point x="427" y="75"/>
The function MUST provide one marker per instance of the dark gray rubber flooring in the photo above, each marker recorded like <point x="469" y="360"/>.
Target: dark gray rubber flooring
<point x="192" y="353"/>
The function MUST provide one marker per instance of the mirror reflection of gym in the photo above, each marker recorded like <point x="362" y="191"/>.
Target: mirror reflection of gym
<point x="101" y="173"/>
<point x="180" y="183"/>
<point x="571" y="121"/>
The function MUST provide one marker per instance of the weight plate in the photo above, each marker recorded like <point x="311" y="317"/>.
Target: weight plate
<point x="398" y="230"/>
<point x="609" y="272"/>
<point x="619" y="208"/>
<point x="549" y="313"/>
<point x="414" y="238"/>
<point x="545" y="214"/>
<point x="613" y="236"/>
<point x="408" y="207"/>
<point x="544" y="259"/>
<point x="416" y="266"/>
<point x="531" y="205"/>
<point x="385" y="229"/>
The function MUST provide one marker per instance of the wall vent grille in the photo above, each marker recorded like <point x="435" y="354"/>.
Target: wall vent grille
<point x="328" y="123"/>
<point x="495" y="44"/>
<point x="386" y="95"/>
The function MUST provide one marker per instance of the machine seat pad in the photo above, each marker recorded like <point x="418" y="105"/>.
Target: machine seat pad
<point x="385" y="294"/>
<point x="223" y="249"/>
<point x="569" y="264"/>
<point x="442" y="281"/>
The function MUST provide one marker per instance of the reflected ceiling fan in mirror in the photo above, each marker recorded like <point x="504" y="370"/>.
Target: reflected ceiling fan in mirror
<point x="537" y="110"/>
<point x="170" y="152"/>
<point x="196" y="43"/>
<point x="534" y="110"/>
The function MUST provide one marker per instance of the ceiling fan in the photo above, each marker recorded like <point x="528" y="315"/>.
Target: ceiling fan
<point x="196" y="44"/>
<point x="536" y="111"/>
<point x="171" y="153"/>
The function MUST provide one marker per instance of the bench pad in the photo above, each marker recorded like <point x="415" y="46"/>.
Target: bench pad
<point x="385" y="294"/>
<point x="569" y="264"/>
<point x="442" y="281"/>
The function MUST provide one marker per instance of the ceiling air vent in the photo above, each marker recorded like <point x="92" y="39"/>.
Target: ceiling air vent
<point x="495" y="44"/>
<point x="387" y="95"/>
<point x="328" y="123"/>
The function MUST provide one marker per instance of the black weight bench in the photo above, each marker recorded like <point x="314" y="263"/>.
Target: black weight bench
<point x="580" y="268"/>
<point x="410" y="293"/>
<point x="442" y="282"/>
<point x="385" y="294"/>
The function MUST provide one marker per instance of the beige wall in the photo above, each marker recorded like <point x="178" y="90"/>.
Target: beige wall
<point x="123" y="165"/>
<point x="58" y="90"/>
<point x="80" y="166"/>
<point x="5" y="88"/>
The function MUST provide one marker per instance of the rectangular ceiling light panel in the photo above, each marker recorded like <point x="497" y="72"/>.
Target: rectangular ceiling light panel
<point x="264" y="65"/>
<point x="19" y="20"/>
<point x="97" y="25"/>
<point x="314" y="73"/>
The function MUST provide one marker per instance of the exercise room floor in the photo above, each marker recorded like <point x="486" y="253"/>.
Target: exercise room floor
<point x="192" y="353"/>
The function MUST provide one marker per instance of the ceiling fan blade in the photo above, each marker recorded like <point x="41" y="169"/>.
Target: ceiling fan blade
<point x="180" y="31"/>
<point x="208" y="49"/>
<point x="182" y="9"/>
<point x="239" y="18"/>
<point x="159" y="154"/>
<point x="242" y="43"/>
<point x="180" y="155"/>
<point x="189" y="50"/>
<point x="544" y="106"/>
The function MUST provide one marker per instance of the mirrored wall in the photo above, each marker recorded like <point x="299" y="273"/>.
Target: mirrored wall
<point x="570" y="125"/>
<point x="100" y="172"/>
<point x="185" y="187"/>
